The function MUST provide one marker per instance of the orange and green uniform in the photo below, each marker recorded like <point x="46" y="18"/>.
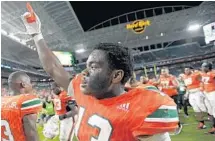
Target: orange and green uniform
<point x="165" y="83"/>
<point x="60" y="103"/>
<point x="125" y="117"/>
<point x="13" y="109"/>
<point x="208" y="80"/>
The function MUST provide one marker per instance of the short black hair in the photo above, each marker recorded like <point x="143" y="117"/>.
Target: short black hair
<point x="208" y="65"/>
<point x="119" y="57"/>
<point x="16" y="77"/>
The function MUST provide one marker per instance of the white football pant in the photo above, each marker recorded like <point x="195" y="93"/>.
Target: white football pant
<point x="211" y="102"/>
<point x="65" y="128"/>
<point x="197" y="100"/>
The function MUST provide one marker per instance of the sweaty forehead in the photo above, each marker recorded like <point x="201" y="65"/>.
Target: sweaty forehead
<point x="97" y="56"/>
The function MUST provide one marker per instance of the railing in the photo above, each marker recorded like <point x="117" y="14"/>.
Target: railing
<point x="20" y="67"/>
<point x="140" y="14"/>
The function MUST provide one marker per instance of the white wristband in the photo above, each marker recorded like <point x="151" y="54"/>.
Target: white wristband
<point x="38" y="37"/>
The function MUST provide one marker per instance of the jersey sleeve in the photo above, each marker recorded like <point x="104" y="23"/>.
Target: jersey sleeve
<point x="76" y="86"/>
<point x="157" y="137"/>
<point x="164" y="119"/>
<point x="30" y="105"/>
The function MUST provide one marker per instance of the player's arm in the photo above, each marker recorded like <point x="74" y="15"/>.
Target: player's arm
<point x="175" y="84"/>
<point x="157" y="137"/>
<point x="71" y="108"/>
<point x="156" y="125"/>
<point x="199" y="77"/>
<point x="157" y="82"/>
<point x="49" y="61"/>
<point x="30" y="129"/>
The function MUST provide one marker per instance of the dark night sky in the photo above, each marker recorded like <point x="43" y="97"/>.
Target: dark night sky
<point x="91" y="13"/>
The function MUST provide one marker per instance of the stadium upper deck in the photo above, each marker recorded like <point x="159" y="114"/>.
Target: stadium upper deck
<point x="63" y="31"/>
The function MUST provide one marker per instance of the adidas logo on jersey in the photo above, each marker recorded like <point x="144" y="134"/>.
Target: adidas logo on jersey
<point x="124" y="107"/>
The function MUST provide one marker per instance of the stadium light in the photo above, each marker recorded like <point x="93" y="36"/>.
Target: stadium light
<point x="3" y="32"/>
<point x="194" y="27"/>
<point x="80" y="50"/>
<point x="161" y="34"/>
<point x="147" y="37"/>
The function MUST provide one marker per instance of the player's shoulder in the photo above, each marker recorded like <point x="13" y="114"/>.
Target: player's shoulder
<point x="212" y="73"/>
<point x="150" y="94"/>
<point x="27" y="101"/>
<point x="172" y="76"/>
<point x="152" y="102"/>
<point x="63" y="94"/>
<point x="182" y="75"/>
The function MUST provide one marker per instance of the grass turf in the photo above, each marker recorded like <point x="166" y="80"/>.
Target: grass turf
<point x="189" y="131"/>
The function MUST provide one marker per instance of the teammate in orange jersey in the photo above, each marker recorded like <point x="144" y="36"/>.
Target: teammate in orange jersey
<point x="196" y="98"/>
<point x="61" y="100"/>
<point x="208" y="79"/>
<point x="19" y="111"/>
<point x="168" y="83"/>
<point x="106" y="110"/>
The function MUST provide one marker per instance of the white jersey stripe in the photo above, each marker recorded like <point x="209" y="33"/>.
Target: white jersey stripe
<point x="162" y="119"/>
<point x="167" y="107"/>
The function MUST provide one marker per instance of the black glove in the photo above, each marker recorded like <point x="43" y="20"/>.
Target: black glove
<point x="70" y="105"/>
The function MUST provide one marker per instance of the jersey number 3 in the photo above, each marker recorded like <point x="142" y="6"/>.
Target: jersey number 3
<point x="96" y="121"/>
<point x="5" y="129"/>
<point x="57" y="104"/>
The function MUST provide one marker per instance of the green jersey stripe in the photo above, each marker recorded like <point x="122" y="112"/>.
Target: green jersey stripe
<point x="151" y="88"/>
<point x="31" y="103"/>
<point x="30" y="100"/>
<point x="164" y="113"/>
<point x="33" y="106"/>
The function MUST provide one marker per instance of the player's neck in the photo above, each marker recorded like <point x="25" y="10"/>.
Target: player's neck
<point x="14" y="93"/>
<point x="115" y="91"/>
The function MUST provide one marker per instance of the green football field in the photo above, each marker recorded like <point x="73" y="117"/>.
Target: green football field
<point x="189" y="131"/>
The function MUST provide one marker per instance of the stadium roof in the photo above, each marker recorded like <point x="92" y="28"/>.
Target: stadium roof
<point x="62" y="30"/>
<point x="91" y="13"/>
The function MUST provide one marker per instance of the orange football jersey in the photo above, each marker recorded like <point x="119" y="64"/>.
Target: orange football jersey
<point x="192" y="81"/>
<point x="165" y="82"/>
<point x="208" y="80"/>
<point x="60" y="103"/>
<point x="13" y="109"/>
<point x="125" y="117"/>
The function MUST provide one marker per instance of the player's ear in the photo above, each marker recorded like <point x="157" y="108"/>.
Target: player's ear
<point x="22" y="85"/>
<point x="117" y="76"/>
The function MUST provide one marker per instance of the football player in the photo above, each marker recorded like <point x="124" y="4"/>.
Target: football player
<point x="61" y="100"/>
<point x="196" y="98"/>
<point x="19" y="111"/>
<point x="168" y="84"/>
<point x="208" y="79"/>
<point x="106" y="110"/>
